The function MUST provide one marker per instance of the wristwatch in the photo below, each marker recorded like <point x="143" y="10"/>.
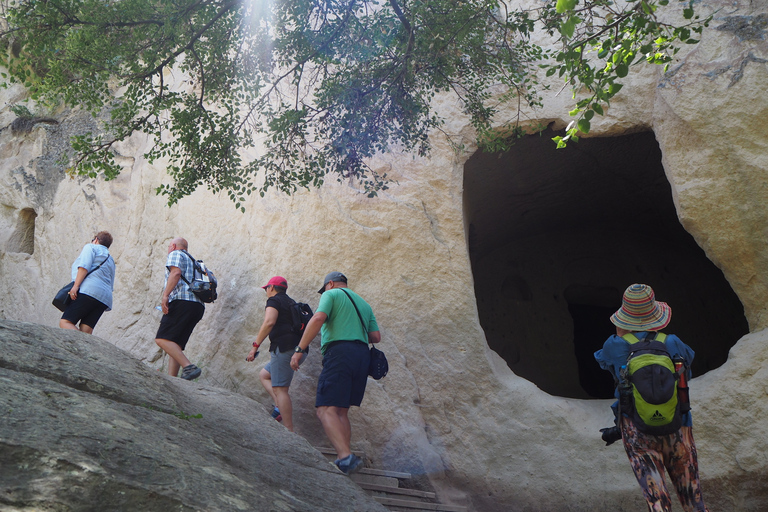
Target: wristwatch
<point x="299" y="350"/>
<point x="256" y="345"/>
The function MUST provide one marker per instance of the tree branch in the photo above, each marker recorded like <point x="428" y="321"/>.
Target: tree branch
<point x="197" y="35"/>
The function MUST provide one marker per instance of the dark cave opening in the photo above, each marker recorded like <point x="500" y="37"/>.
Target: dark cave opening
<point x="555" y="236"/>
<point x="588" y="321"/>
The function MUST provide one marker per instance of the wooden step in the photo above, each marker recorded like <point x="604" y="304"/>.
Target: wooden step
<point x="397" y="490"/>
<point x="369" y="471"/>
<point x="385" y="481"/>
<point x="332" y="452"/>
<point x="418" y="505"/>
<point x="384" y="472"/>
<point x="375" y="480"/>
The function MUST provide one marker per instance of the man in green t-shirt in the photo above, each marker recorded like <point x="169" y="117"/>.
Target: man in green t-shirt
<point x="346" y="324"/>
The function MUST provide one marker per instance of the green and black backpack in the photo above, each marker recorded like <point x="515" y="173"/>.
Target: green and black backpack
<point x="651" y="374"/>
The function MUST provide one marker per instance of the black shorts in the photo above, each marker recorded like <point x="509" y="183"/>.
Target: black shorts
<point x="178" y="324"/>
<point x="85" y="309"/>
<point x="344" y="376"/>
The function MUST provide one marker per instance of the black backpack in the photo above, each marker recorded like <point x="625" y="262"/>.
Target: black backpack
<point x="300" y="315"/>
<point x="203" y="283"/>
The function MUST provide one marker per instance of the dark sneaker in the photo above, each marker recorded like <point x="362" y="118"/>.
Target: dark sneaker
<point x="276" y="414"/>
<point x="350" y="464"/>
<point x="190" y="372"/>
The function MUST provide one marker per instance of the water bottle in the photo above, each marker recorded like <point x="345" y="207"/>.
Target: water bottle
<point x="683" y="397"/>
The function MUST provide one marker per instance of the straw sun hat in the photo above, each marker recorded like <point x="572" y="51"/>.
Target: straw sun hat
<point x="640" y="311"/>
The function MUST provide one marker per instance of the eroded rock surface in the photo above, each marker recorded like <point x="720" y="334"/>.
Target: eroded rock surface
<point x="86" y="426"/>
<point x="450" y="408"/>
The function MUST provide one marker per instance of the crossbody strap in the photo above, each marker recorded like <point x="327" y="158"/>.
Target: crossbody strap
<point x="358" y="313"/>
<point x="97" y="268"/>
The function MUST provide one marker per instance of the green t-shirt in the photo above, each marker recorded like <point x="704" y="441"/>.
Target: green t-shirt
<point x="343" y="322"/>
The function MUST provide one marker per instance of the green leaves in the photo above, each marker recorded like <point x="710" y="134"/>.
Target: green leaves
<point x="565" y="5"/>
<point x="569" y="26"/>
<point x="600" y="47"/>
<point x="314" y="89"/>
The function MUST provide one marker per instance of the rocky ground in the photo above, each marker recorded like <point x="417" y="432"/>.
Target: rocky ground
<point x="87" y="427"/>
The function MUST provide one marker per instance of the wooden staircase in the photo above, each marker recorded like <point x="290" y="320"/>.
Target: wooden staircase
<point x="390" y="488"/>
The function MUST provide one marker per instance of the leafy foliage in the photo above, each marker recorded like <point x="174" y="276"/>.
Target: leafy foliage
<point x="319" y="85"/>
<point x="602" y="39"/>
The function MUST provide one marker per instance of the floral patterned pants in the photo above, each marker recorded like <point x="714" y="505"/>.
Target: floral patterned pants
<point x="650" y="455"/>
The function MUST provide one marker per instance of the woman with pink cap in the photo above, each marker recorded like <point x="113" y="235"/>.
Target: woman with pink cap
<point x="277" y="374"/>
<point x="641" y="318"/>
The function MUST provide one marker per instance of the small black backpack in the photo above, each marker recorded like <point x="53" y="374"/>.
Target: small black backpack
<point x="300" y="315"/>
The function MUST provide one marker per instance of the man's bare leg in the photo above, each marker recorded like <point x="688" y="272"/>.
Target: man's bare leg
<point x="177" y="357"/>
<point x="335" y="421"/>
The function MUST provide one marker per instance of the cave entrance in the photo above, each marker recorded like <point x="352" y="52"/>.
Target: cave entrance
<point x="556" y="236"/>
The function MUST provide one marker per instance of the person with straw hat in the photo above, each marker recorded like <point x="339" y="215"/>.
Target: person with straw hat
<point x="640" y="318"/>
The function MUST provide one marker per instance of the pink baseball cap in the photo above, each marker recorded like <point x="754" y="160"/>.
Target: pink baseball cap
<point x="277" y="281"/>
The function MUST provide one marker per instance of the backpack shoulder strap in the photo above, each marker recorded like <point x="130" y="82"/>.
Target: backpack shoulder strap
<point x="194" y="261"/>
<point x="656" y="336"/>
<point x="195" y="266"/>
<point x="630" y="338"/>
<point x="286" y="301"/>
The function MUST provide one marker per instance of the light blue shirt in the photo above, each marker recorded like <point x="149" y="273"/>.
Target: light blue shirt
<point x="99" y="283"/>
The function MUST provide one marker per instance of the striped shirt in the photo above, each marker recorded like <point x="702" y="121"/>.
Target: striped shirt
<point x="181" y="290"/>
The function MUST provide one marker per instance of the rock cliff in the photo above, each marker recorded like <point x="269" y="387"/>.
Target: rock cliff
<point x="493" y="407"/>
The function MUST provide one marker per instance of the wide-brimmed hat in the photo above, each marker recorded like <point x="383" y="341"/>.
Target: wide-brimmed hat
<point x="640" y="311"/>
<point x="332" y="276"/>
<point x="277" y="281"/>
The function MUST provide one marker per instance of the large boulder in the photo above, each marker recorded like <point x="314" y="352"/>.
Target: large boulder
<point x="87" y="427"/>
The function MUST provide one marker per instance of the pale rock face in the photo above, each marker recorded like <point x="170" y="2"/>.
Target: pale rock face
<point x="450" y="407"/>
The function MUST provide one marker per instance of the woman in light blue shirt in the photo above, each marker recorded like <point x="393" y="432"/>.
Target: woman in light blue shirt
<point x="94" y="275"/>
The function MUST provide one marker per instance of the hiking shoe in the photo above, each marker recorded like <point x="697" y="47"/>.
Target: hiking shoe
<point x="191" y="372"/>
<point x="350" y="464"/>
<point x="276" y="414"/>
